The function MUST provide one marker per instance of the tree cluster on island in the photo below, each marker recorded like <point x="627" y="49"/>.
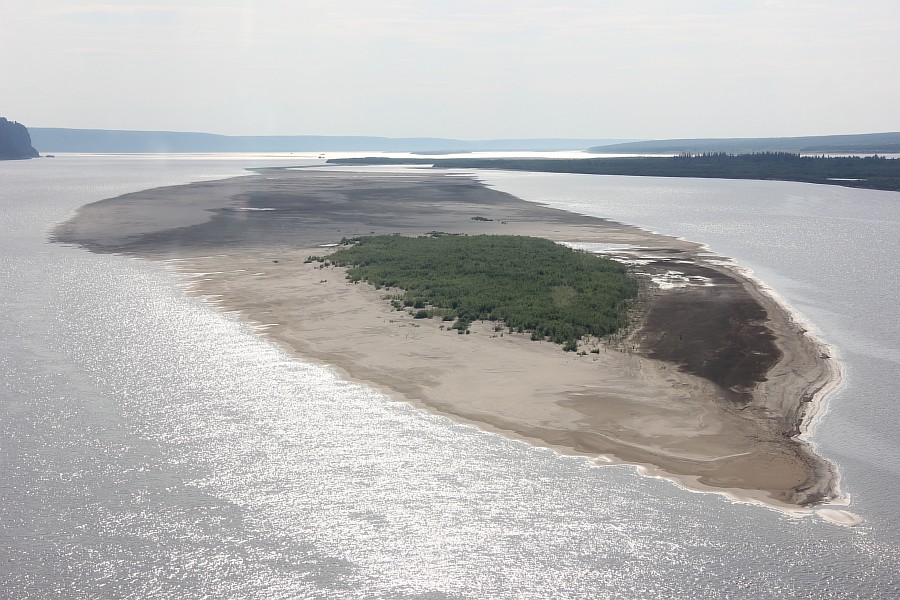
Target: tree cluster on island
<point x="529" y="285"/>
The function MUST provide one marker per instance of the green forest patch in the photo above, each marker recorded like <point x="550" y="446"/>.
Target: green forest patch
<point x="872" y="172"/>
<point x="529" y="284"/>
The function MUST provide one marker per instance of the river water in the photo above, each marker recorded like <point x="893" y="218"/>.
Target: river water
<point x="152" y="447"/>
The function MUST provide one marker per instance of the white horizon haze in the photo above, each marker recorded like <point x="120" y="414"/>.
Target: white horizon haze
<point x="466" y="69"/>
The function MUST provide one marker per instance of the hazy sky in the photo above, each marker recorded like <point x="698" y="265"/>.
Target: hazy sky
<point x="455" y="68"/>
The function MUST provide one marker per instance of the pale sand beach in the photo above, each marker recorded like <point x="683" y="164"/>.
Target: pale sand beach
<point x="713" y="390"/>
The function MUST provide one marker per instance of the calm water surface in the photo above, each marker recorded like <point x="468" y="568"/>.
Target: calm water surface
<point x="152" y="447"/>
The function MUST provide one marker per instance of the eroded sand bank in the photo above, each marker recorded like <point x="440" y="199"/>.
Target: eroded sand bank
<point x="711" y="391"/>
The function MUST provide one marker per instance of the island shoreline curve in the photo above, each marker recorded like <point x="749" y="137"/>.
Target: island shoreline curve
<point x="619" y="406"/>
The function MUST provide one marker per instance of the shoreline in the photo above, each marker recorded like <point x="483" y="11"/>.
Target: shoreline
<point x="817" y="408"/>
<point x="685" y="481"/>
<point x="630" y="417"/>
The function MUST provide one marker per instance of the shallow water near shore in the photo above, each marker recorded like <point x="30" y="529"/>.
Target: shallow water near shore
<point x="154" y="447"/>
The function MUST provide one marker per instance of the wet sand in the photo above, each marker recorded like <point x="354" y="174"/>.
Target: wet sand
<point x="712" y="388"/>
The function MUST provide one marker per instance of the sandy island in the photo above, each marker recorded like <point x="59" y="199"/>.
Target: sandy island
<point x="713" y="389"/>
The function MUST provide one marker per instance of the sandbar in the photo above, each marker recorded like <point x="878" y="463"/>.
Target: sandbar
<point x="713" y="387"/>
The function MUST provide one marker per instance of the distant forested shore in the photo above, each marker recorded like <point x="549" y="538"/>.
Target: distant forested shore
<point x="857" y="143"/>
<point x="871" y="172"/>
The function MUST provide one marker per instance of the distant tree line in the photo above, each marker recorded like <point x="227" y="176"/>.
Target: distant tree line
<point x="873" y="172"/>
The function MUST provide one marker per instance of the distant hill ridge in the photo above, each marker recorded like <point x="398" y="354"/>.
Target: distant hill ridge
<point x="127" y="141"/>
<point x="115" y="141"/>
<point x="865" y="143"/>
<point x="15" y="143"/>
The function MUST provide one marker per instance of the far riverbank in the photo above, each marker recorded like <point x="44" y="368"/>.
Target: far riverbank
<point x="868" y="172"/>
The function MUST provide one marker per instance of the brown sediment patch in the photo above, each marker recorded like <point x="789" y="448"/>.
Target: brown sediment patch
<point x="716" y="331"/>
<point x="711" y="391"/>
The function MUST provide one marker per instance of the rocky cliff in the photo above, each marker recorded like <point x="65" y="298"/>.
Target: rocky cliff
<point x="15" y="142"/>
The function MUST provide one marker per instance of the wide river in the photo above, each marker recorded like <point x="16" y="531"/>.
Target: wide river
<point x="152" y="447"/>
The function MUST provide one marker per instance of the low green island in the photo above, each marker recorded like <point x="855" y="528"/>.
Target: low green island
<point x="870" y="172"/>
<point x="530" y="285"/>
